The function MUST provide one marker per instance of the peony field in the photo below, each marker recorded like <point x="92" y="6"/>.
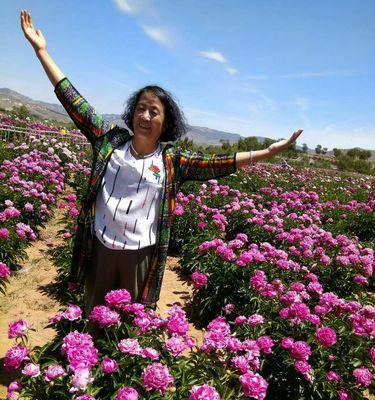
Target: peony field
<point x="268" y="292"/>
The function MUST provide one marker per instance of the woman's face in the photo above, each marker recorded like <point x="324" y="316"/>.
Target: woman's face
<point x="148" y="117"/>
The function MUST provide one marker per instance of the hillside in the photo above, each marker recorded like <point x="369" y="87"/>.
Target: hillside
<point x="50" y="111"/>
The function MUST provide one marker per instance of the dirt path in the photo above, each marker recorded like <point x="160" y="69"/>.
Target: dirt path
<point x="27" y="299"/>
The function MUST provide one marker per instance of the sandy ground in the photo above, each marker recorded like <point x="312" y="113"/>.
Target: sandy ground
<point x="26" y="297"/>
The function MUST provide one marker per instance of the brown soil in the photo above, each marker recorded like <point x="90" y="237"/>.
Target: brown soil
<point x="27" y="298"/>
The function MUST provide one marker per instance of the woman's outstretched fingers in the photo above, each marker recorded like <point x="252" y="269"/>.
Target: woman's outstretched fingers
<point x="35" y="37"/>
<point x="296" y="134"/>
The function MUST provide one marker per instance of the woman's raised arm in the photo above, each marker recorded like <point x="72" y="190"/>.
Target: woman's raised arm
<point x="90" y="123"/>
<point x="245" y="158"/>
<point x="37" y="40"/>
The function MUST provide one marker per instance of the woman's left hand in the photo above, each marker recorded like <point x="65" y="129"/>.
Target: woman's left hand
<point x="282" y="145"/>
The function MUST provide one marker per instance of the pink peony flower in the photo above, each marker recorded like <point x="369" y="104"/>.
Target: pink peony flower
<point x="32" y="370"/>
<point x="344" y="394"/>
<point x="109" y="365"/>
<point x="326" y="336"/>
<point x="203" y="392"/>
<point x="12" y="395"/>
<point x="74" y="212"/>
<point x="177" y="323"/>
<point x="72" y="313"/>
<point x="265" y="343"/>
<point x="4" y="233"/>
<point x="118" y="298"/>
<point x="287" y="342"/>
<point x="14" y="386"/>
<point x="80" y="380"/>
<point x="241" y="319"/>
<point x="175" y="345"/>
<point x="130" y="346"/>
<point x="333" y="376"/>
<point x="199" y="279"/>
<point x="53" y="372"/>
<point x="80" y="351"/>
<point x="84" y="397"/>
<point x="71" y="197"/>
<point x="82" y="357"/>
<point x="300" y="350"/>
<point x="255" y="319"/>
<point x="372" y="354"/>
<point x="28" y="207"/>
<point x="151" y="353"/>
<point x="127" y="393"/>
<point x="156" y="377"/>
<point x="17" y="329"/>
<point x="228" y="308"/>
<point x="104" y="316"/>
<point x="302" y="367"/>
<point x="360" y="279"/>
<point x="4" y="271"/>
<point x="14" y="357"/>
<point x="240" y="363"/>
<point x="363" y="376"/>
<point x="254" y="385"/>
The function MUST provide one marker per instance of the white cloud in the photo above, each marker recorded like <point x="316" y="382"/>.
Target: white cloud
<point x="266" y="100"/>
<point x="257" y="77"/>
<point x="213" y="55"/>
<point x="141" y="68"/>
<point x="119" y="83"/>
<point x="158" y="35"/>
<point x="138" y="8"/>
<point x="302" y="103"/>
<point x="316" y="74"/>
<point x="127" y="6"/>
<point x="299" y="75"/>
<point x="231" y="70"/>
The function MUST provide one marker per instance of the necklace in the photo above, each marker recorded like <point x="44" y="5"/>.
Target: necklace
<point x="142" y="155"/>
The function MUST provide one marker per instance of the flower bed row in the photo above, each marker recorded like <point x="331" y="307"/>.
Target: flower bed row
<point x="32" y="177"/>
<point x="268" y="249"/>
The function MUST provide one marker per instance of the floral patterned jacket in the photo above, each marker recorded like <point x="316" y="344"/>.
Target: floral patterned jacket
<point x="179" y="165"/>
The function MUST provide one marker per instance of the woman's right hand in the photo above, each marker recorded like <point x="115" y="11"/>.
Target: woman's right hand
<point x="35" y="37"/>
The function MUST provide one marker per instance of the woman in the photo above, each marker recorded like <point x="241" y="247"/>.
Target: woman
<point x="121" y="242"/>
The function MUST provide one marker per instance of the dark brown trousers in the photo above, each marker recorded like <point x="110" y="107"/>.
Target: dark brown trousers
<point x="116" y="269"/>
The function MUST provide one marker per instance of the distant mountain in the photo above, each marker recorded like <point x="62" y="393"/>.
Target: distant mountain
<point x="49" y="111"/>
<point x="56" y="112"/>
<point x="200" y="135"/>
<point x="39" y="109"/>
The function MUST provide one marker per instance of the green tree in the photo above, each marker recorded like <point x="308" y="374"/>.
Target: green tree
<point x="337" y="153"/>
<point x="353" y="153"/>
<point x="364" y="154"/>
<point x="267" y="143"/>
<point x="186" y="144"/>
<point x="318" y="149"/>
<point x="21" y="112"/>
<point x="248" y="143"/>
<point x="225" y="145"/>
<point x="304" y="148"/>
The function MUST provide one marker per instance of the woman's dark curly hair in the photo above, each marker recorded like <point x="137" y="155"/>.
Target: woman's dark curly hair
<point x="174" y="125"/>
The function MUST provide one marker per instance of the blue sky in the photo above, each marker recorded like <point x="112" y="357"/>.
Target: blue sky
<point x="253" y="67"/>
